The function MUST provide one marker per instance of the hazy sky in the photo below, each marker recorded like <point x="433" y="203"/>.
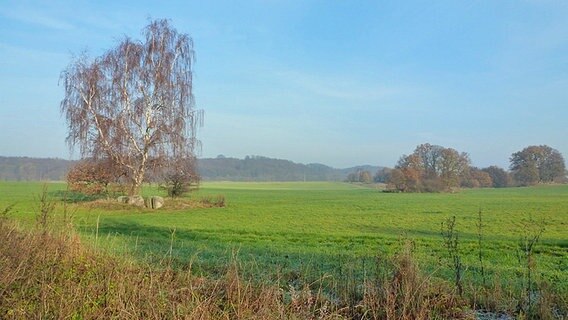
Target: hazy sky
<point x="336" y="82"/>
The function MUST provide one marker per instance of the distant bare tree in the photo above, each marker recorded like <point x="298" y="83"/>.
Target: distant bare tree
<point x="352" y="177"/>
<point x="430" y="156"/>
<point x="134" y="104"/>
<point x="382" y="175"/>
<point x="365" y="176"/>
<point x="360" y="175"/>
<point x="453" y="166"/>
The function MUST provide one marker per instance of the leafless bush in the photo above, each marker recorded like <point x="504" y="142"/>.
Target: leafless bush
<point x="180" y="177"/>
<point x="213" y="201"/>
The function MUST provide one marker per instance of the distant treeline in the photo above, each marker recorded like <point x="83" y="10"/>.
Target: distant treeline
<point x="257" y="168"/>
<point x="251" y="168"/>
<point x="433" y="168"/>
<point x="33" y="169"/>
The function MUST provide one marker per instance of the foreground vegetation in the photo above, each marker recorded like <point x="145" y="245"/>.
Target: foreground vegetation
<point x="52" y="275"/>
<point x="330" y="241"/>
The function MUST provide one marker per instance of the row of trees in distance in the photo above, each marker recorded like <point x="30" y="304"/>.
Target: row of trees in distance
<point x="433" y="168"/>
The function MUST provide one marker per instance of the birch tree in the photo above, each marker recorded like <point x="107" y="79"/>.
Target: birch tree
<point x="134" y="104"/>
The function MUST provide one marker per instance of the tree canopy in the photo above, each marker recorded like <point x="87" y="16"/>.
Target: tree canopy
<point x="430" y="168"/>
<point x="537" y="164"/>
<point x="134" y="105"/>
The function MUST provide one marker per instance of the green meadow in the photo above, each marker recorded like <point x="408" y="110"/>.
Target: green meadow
<point x="316" y="229"/>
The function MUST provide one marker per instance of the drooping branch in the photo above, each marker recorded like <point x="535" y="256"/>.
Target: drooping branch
<point x="135" y="103"/>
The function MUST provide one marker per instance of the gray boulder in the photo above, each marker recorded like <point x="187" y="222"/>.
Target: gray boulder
<point x="133" y="200"/>
<point x="155" y="202"/>
<point x="136" y="200"/>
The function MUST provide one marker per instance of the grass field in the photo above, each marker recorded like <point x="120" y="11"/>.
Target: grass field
<point x="319" y="228"/>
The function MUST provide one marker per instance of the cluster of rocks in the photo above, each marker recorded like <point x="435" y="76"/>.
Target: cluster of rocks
<point x="153" y="202"/>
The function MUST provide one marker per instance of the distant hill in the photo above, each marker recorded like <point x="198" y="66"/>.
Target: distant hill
<point x="258" y="168"/>
<point x="33" y="169"/>
<point x="251" y="168"/>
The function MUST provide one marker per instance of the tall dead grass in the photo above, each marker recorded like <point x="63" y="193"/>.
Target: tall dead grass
<point x="52" y="275"/>
<point x="55" y="277"/>
<point x="406" y="293"/>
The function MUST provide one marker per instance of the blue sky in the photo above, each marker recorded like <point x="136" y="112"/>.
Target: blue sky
<point x="337" y="82"/>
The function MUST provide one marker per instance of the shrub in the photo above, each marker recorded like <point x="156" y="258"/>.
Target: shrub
<point x="180" y="178"/>
<point x="178" y="184"/>
<point x="94" y="177"/>
<point x="216" y="201"/>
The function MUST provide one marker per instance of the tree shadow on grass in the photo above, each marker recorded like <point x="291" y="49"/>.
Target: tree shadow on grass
<point x="73" y="197"/>
<point x="211" y="252"/>
<point x="207" y="252"/>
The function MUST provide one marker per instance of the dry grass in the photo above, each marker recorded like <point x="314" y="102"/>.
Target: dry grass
<point x="409" y="294"/>
<point x="53" y="275"/>
<point x="203" y="202"/>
